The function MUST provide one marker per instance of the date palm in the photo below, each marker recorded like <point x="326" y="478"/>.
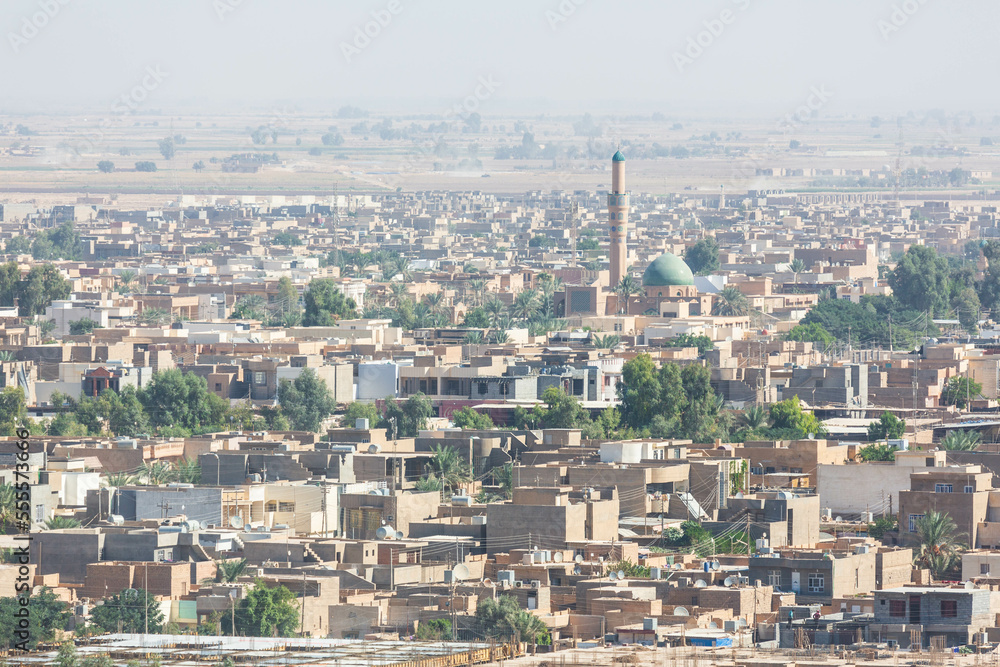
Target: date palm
<point x="755" y="417"/>
<point x="156" y="473"/>
<point x="61" y="523"/>
<point x="474" y="338"/>
<point x="495" y="309"/>
<point x="435" y="302"/>
<point x="939" y="546"/>
<point x="608" y="342"/>
<point x="448" y="466"/>
<point x="960" y="441"/>
<point x="731" y="302"/>
<point x="187" y="471"/>
<point x="627" y="287"/>
<point x="525" y="304"/>
<point x="8" y="506"/>
<point x="127" y="281"/>
<point x="547" y="288"/>
<point x="500" y="337"/>
<point x="118" y="479"/>
<point x="153" y="316"/>
<point x="478" y="287"/>
<point x="796" y="267"/>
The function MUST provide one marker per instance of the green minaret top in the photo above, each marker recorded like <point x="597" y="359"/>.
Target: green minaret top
<point x="618" y="157"/>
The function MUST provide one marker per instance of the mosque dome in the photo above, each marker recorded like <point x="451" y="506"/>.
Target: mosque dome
<point x="666" y="270"/>
<point x="618" y="157"/>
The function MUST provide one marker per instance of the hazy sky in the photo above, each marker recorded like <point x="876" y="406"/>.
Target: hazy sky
<point x="766" y="56"/>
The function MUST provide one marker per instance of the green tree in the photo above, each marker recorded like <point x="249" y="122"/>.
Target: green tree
<point x="467" y="418"/>
<point x="939" y="546"/>
<point x="503" y="618"/>
<point x="876" y="452"/>
<point x="61" y="523"/>
<point x="186" y="471"/>
<point x="287" y="298"/>
<point x="13" y="409"/>
<point x="359" y="410"/>
<point x="409" y="417"/>
<point x="131" y="608"/>
<point x="788" y="414"/>
<point x="703" y="256"/>
<point x="325" y="304"/>
<point x="435" y="629"/>
<point x="639" y="391"/>
<point x="47" y="615"/>
<point x="703" y="343"/>
<point x="106" y="166"/>
<point x="286" y="239"/>
<point x="66" y="655"/>
<point x="960" y="441"/>
<point x="882" y="525"/>
<point x="145" y="165"/>
<point x="476" y="318"/>
<point x="43" y="285"/>
<point x="888" y="426"/>
<point x="83" y="326"/>
<point x="250" y="307"/>
<point x="920" y="280"/>
<point x="228" y="571"/>
<point x="174" y="399"/>
<point x="812" y="332"/>
<point x="307" y="401"/>
<point x="960" y="391"/>
<point x="265" y="612"/>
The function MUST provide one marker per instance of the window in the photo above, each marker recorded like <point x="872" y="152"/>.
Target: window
<point x="949" y="608"/>
<point x="984" y="568"/>
<point x="969" y="488"/>
<point x="218" y="386"/>
<point x="286" y="507"/>
<point x="943" y="488"/>
<point x="258" y="377"/>
<point x="815" y="583"/>
<point x="914" y="518"/>
<point x="483" y="388"/>
<point x="774" y="578"/>
<point x="897" y="608"/>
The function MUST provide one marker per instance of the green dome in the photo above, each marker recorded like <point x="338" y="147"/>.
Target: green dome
<point x="667" y="269"/>
<point x="618" y="157"/>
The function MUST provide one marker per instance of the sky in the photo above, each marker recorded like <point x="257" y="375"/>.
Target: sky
<point x="728" y="58"/>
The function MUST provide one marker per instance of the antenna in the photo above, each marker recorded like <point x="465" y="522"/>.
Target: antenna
<point x="621" y="574"/>
<point x="613" y="576"/>
<point x="460" y="572"/>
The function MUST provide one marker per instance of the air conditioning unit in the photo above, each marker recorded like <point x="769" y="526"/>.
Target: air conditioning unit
<point x="518" y="584"/>
<point x="535" y="583"/>
<point x="827" y="514"/>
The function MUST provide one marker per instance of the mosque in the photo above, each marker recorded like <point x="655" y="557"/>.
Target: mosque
<point x="667" y="284"/>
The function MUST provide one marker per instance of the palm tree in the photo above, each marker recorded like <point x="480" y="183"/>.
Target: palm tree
<point x="250" y="307"/>
<point x="428" y="483"/>
<point x="525" y="304"/>
<point x="503" y="476"/>
<point x="435" y="302"/>
<point x="7" y="355"/>
<point x="449" y="467"/>
<point x="494" y="308"/>
<point x="61" y="523"/>
<point x="474" y="338"/>
<point x="731" y="302"/>
<point x="45" y="327"/>
<point x="154" y="316"/>
<point x="960" y="441"/>
<point x="156" y="473"/>
<point x="796" y="267"/>
<point x="755" y="417"/>
<point x="939" y="546"/>
<point x="626" y="287"/>
<point x="478" y="287"/>
<point x="500" y="337"/>
<point x="8" y="506"/>
<point x="228" y="571"/>
<point x="187" y="471"/>
<point x="547" y="288"/>
<point x="127" y="281"/>
<point x="398" y="292"/>
<point x="118" y="479"/>
<point x="609" y="342"/>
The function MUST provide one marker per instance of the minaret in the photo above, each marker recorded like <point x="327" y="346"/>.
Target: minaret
<point x="618" y="219"/>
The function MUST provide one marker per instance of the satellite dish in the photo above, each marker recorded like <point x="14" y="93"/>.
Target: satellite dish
<point x="578" y="558"/>
<point x="236" y="522"/>
<point x="969" y="586"/>
<point x="621" y="574"/>
<point x="557" y="557"/>
<point x="681" y="611"/>
<point x="839" y="518"/>
<point x="613" y="576"/>
<point x="739" y="494"/>
<point x="713" y="625"/>
<point x="716" y="565"/>
<point x="729" y="581"/>
<point x="399" y="534"/>
<point x="577" y="570"/>
<point x="460" y="572"/>
<point x="811" y="436"/>
<point x="373" y="449"/>
<point x="701" y="583"/>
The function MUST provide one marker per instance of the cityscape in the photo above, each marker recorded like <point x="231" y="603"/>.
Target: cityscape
<point x="534" y="334"/>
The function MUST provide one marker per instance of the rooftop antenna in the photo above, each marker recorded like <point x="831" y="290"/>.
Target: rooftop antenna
<point x="574" y="232"/>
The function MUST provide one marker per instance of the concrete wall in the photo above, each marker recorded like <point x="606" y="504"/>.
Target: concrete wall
<point x="854" y="488"/>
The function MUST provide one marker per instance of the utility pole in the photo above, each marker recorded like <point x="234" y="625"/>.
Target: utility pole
<point x="145" y="585"/>
<point x="302" y="614"/>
